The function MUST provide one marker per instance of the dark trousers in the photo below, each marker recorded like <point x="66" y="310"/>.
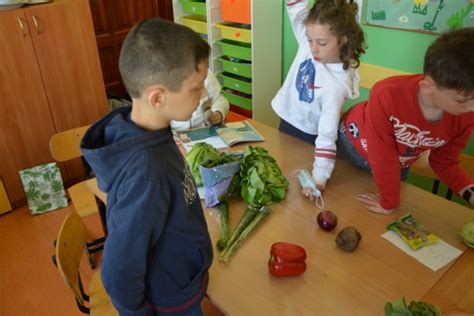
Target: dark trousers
<point x="289" y="129"/>
<point x="345" y="150"/>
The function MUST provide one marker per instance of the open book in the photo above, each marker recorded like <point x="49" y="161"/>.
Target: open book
<point x="222" y="136"/>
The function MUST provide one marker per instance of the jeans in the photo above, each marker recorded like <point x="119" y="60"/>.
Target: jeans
<point x="346" y="151"/>
<point x="289" y="129"/>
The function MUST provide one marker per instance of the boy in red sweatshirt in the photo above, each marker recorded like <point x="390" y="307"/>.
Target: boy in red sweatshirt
<point x="407" y="115"/>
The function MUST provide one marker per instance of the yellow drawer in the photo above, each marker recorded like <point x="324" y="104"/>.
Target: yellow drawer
<point x="197" y="23"/>
<point x="235" y="31"/>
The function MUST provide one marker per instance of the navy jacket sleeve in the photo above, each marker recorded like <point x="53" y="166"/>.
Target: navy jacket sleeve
<point x="135" y="222"/>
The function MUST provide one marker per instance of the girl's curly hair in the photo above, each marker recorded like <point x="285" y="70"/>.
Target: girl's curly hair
<point x="340" y="16"/>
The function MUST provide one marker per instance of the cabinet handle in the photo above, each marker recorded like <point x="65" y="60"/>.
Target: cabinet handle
<point x="35" y="21"/>
<point x="22" y="26"/>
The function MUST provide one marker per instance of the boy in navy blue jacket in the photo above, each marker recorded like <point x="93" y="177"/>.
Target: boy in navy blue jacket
<point x="158" y="251"/>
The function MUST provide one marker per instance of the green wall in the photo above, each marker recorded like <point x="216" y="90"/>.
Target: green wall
<point x="402" y="50"/>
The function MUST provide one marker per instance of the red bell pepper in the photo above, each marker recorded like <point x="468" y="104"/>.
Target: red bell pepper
<point x="286" y="259"/>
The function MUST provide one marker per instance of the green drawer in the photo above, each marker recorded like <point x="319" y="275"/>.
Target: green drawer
<point x="241" y="69"/>
<point x="236" y="49"/>
<point x="235" y="83"/>
<point x="194" y="7"/>
<point x="238" y="100"/>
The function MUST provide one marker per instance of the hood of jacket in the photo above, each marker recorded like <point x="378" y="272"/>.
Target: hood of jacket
<point x="112" y="141"/>
<point x="347" y="80"/>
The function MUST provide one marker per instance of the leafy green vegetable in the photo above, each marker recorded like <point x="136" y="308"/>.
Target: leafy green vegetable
<point x="200" y="153"/>
<point x="223" y="209"/>
<point x="262" y="181"/>
<point x="244" y="234"/>
<point x="262" y="184"/>
<point x="415" y="308"/>
<point x="467" y="232"/>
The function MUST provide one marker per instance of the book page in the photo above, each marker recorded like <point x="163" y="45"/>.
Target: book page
<point x="219" y="137"/>
<point x="207" y="134"/>
<point x="237" y="132"/>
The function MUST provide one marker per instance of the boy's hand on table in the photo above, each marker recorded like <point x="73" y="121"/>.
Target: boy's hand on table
<point x="372" y="202"/>
<point x="215" y="118"/>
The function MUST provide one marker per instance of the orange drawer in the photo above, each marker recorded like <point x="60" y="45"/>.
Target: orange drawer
<point x="236" y="11"/>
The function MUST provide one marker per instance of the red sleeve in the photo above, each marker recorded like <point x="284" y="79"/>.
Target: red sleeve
<point x="382" y="149"/>
<point x="445" y="161"/>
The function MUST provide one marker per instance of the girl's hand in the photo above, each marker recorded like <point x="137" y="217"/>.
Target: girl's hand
<point x="215" y="118"/>
<point x="372" y="202"/>
<point x="309" y="193"/>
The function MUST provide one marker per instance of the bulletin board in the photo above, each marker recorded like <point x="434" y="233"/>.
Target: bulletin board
<point x="433" y="16"/>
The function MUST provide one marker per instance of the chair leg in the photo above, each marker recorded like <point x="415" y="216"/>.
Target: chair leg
<point x="449" y="194"/>
<point x="435" y="186"/>
<point x="92" y="247"/>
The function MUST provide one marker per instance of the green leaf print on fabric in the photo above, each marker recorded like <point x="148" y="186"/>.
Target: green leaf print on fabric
<point x="32" y="193"/>
<point x="44" y="188"/>
<point x="57" y="186"/>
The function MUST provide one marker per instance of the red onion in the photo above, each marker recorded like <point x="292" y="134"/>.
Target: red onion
<point x="327" y="220"/>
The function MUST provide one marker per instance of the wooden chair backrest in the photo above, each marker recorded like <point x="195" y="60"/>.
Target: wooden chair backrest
<point x="467" y="162"/>
<point x="70" y="246"/>
<point x="422" y="166"/>
<point x="65" y="145"/>
<point x="370" y="74"/>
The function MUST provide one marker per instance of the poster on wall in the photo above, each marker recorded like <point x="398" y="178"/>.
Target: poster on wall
<point x="432" y="16"/>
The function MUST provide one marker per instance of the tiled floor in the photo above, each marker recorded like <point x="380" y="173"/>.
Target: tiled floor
<point x="29" y="282"/>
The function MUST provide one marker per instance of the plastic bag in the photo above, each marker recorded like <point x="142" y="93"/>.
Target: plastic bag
<point x="216" y="180"/>
<point x="44" y="188"/>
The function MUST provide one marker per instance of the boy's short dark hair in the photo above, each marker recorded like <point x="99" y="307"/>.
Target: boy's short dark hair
<point x="157" y="51"/>
<point x="449" y="61"/>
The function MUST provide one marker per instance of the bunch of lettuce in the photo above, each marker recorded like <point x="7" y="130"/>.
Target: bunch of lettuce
<point x="199" y="153"/>
<point x="222" y="185"/>
<point x="262" y="183"/>
<point x="415" y="308"/>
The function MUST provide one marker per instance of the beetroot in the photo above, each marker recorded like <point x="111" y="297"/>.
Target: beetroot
<point x="348" y="239"/>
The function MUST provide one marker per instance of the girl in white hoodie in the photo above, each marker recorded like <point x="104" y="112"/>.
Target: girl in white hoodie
<point x="323" y="75"/>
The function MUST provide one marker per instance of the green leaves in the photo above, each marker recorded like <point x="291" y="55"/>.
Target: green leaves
<point x="400" y="308"/>
<point x="200" y="153"/>
<point x="262" y="184"/>
<point x="262" y="181"/>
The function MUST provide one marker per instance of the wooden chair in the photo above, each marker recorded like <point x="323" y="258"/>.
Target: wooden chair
<point x="70" y="246"/>
<point x="422" y="168"/>
<point x="65" y="146"/>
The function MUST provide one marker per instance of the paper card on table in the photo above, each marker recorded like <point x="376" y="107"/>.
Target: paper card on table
<point x="434" y="256"/>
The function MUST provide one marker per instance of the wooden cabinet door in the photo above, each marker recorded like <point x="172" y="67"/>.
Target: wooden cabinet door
<point x="63" y="37"/>
<point x="113" y="19"/>
<point x="26" y="124"/>
<point x="64" y="40"/>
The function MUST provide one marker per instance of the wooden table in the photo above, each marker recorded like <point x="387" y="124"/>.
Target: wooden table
<point x="335" y="282"/>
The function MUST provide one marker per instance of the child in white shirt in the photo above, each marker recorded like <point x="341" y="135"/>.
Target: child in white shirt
<point x="323" y="75"/>
<point x="212" y="109"/>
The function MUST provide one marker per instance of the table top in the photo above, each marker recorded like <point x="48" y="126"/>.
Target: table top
<point x="336" y="282"/>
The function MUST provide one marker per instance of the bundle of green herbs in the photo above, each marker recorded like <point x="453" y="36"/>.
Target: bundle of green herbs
<point x="223" y="212"/>
<point x="198" y="154"/>
<point x="415" y="308"/>
<point x="262" y="183"/>
<point x="205" y="155"/>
